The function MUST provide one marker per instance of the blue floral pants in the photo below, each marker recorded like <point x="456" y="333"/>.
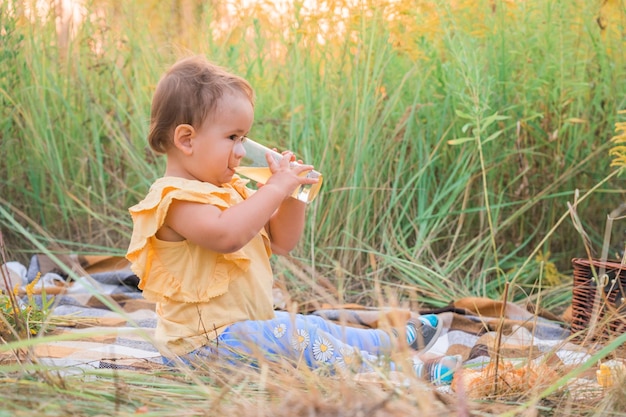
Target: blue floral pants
<point x="316" y="342"/>
<point x="298" y="338"/>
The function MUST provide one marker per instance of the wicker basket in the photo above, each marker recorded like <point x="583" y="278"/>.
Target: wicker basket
<point x="610" y="303"/>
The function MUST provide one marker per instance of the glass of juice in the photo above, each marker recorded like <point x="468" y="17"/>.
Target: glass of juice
<point x="254" y="166"/>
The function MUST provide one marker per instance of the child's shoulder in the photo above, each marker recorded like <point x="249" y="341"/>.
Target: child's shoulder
<point x="166" y="189"/>
<point x="180" y="183"/>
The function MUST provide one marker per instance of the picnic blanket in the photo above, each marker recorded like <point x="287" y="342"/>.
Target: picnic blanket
<point x="101" y="319"/>
<point x="104" y="322"/>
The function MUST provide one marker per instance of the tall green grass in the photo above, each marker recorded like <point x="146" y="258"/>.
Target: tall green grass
<point x="451" y="139"/>
<point x="379" y="107"/>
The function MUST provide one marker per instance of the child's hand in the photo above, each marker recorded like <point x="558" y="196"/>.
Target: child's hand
<point x="287" y="174"/>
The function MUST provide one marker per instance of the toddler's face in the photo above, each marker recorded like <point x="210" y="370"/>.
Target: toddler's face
<point x="217" y="144"/>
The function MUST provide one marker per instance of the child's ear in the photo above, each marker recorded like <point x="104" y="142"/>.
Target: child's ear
<point x="183" y="134"/>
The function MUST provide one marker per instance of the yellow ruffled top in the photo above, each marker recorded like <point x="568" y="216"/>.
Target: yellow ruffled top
<point x="198" y="292"/>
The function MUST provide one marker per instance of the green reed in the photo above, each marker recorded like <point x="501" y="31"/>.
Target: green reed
<point x="380" y="108"/>
<point x="410" y="210"/>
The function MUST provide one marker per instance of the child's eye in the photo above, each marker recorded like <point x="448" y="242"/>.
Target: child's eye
<point x="237" y="137"/>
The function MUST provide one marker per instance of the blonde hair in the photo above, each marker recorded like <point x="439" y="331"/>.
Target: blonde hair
<point x="187" y="94"/>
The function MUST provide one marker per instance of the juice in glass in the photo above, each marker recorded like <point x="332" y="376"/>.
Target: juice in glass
<point x="254" y="166"/>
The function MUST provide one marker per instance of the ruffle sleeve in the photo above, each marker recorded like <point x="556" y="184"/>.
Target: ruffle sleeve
<point x="148" y="217"/>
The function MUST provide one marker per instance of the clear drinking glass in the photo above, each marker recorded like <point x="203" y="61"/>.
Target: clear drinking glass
<point x="254" y="166"/>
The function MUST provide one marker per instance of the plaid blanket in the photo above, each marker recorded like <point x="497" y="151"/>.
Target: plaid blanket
<point x="101" y="319"/>
<point x="104" y="322"/>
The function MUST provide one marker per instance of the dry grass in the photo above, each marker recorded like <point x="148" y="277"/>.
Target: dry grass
<point x="274" y="390"/>
<point x="427" y="223"/>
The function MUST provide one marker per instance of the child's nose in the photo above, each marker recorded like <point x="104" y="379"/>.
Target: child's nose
<point x="239" y="150"/>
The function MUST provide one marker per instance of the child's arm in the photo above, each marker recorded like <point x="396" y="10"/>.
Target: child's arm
<point x="229" y="230"/>
<point x="286" y="225"/>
